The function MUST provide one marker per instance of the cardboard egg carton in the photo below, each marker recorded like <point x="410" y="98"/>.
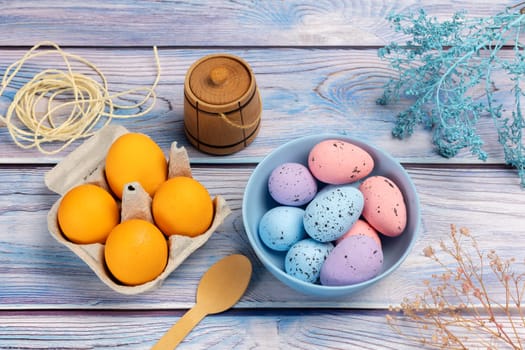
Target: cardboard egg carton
<point x="86" y="165"/>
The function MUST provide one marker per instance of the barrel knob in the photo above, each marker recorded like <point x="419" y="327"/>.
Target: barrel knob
<point x="219" y="75"/>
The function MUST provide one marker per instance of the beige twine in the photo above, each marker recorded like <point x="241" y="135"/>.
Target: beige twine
<point x="87" y="100"/>
<point x="236" y="125"/>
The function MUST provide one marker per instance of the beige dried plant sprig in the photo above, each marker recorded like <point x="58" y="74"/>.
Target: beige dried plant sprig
<point x="475" y="302"/>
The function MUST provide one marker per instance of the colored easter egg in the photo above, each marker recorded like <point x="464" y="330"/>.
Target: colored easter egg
<point x="361" y="227"/>
<point x="385" y="207"/>
<point x="281" y="227"/>
<point x="355" y="259"/>
<point x="332" y="212"/>
<point x="292" y="184"/>
<point x="338" y="162"/>
<point x="305" y="259"/>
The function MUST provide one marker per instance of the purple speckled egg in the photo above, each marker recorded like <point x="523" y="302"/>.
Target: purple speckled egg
<point x="292" y="184"/>
<point x="355" y="259"/>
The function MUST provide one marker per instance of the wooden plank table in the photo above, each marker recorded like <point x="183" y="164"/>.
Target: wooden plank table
<point x="317" y="69"/>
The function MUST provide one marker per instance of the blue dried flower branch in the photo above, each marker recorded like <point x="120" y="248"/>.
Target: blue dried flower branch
<point x="441" y="65"/>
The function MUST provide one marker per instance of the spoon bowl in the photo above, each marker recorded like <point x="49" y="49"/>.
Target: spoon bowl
<point x="224" y="283"/>
<point x="220" y="288"/>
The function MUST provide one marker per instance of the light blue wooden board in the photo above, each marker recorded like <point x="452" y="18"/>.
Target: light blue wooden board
<point x="279" y="329"/>
<point x="215" y="23"/>
<point x="38" y="273"/>
<point x="304" y="92"/>
<point x="312" y="62"/>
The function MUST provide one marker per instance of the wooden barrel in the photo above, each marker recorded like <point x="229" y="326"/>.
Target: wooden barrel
<point x="222" y="105"/>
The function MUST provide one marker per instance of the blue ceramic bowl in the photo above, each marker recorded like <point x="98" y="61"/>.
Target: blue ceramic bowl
<point x="258" y="201"/>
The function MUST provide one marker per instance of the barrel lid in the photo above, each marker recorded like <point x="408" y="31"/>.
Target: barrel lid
<point x="219" y="80"/>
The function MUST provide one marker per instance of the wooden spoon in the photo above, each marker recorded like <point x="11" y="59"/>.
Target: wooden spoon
<point x="220" y="288"/>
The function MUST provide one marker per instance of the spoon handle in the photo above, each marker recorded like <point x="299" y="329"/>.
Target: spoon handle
<point x="179" y="330"/>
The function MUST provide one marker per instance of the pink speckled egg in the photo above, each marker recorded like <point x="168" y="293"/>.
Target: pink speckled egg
<point x="361" y="227"/>
<point x="292" y="184"/>
<point x="338" y="162"/>
<point x="385" y="208"/>
<point x="356" y="259"/>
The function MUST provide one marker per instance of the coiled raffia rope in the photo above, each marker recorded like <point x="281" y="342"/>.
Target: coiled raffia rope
<point x="63" y="105"/>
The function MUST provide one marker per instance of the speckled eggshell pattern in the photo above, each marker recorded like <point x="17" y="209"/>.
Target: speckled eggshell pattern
<point x="332" y="212"/>
<point x="361" y="227"/>
<point x="356" y="259"/>
<point x="338" y="162"/>
<point x="305" y="259"/>
<point x="292" y="184"/>
<point x="385" y="207"/>
<point x="281" y="227"/>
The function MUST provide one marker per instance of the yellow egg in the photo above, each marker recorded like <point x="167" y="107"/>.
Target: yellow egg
<point x="135" y="157"/>
<point x="136" y="252"/>
<point x="182" y="206"/>
<point x="87" y="214"/>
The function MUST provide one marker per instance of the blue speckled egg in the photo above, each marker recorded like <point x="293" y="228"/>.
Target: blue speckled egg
<point x="305" y="259"/>
<point x="292" y="184"/>
<point x="333" y="212"/>
<point x="281" y="227"/>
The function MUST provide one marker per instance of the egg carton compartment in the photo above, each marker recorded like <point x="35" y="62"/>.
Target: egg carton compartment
<point x="86" y="165"/>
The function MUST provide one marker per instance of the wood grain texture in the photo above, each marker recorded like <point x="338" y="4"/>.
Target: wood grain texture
<point x="215" y="23"/>
<point x="317" y="69"/>
<point x="304" y="92"/>
<point x="279" y="329"/>
<point x="37" y="272"/>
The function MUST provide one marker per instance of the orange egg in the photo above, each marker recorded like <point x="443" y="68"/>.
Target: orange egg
<point x="136" y="252"/>
<point x="135" y="157"/>
<point x="182" y="206"/>
<point x="87" y="213"/>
